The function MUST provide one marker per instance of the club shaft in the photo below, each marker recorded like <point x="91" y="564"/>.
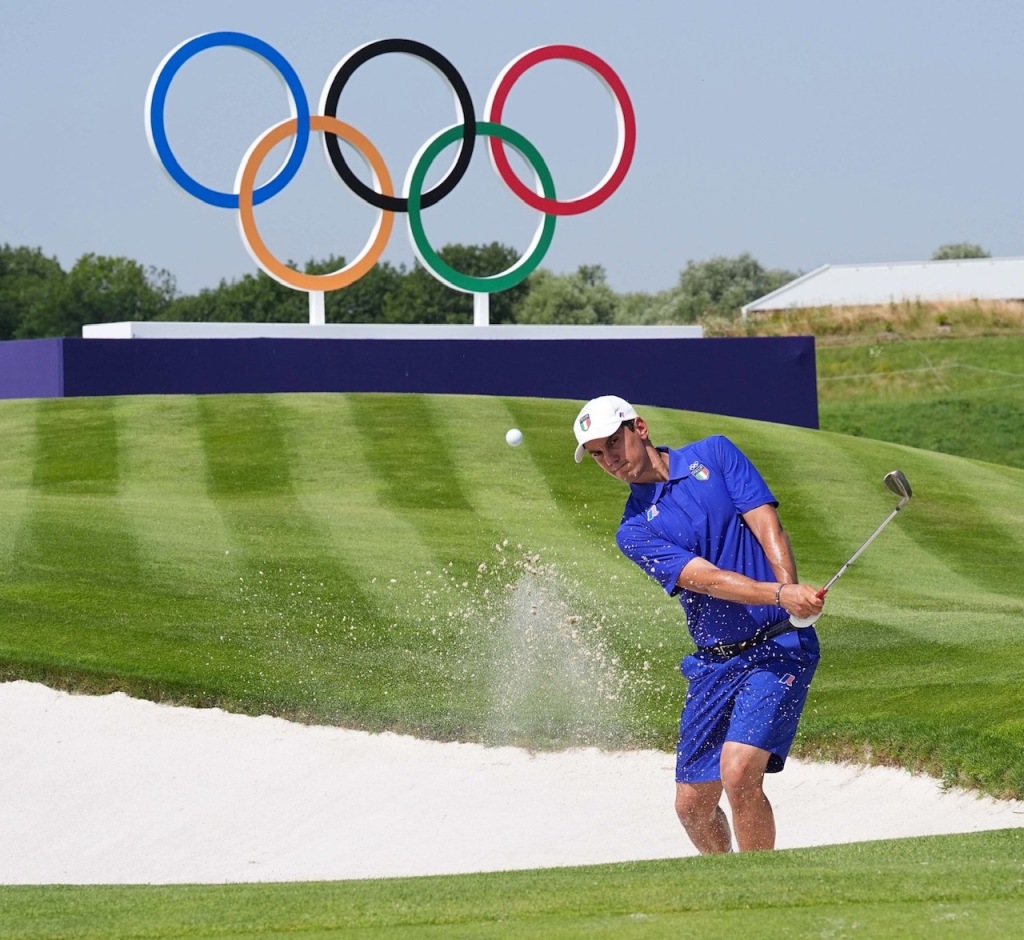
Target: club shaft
<point x="857" y="553"/>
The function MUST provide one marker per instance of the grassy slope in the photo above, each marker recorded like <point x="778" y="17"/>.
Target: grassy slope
<point x="387" y="562"/>
<point x="957" y="396"/>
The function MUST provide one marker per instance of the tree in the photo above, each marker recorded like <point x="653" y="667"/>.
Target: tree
<point x="366" y="300"/>
<point x="253" y="298"/>
<point x="581" y="298"/>
<point x="634" y="307"/>
<point x="29" y="286"/>
<point x="99" y="289"/>
<point x="715" y="288"/>
<point x="956" y="250"/>
<point x="422" y="298"/>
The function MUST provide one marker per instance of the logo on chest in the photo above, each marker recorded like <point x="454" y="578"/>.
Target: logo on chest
<point x="699" y="472"/>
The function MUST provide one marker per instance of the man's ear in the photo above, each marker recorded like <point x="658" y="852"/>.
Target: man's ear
<point x="641" y="428"/>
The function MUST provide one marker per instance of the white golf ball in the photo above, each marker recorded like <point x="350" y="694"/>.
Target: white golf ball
<point x="513" y="437"/>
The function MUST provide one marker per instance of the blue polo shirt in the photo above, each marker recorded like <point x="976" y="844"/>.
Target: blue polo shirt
<point x="697" y="513"/>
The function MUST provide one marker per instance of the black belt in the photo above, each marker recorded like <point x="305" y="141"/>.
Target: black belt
<point x="762" y="636"/>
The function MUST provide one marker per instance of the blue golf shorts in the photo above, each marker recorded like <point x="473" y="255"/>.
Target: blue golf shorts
<point x="754" y="698"/>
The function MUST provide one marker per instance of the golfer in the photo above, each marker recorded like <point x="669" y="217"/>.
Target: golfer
<point x="702" y="522"/>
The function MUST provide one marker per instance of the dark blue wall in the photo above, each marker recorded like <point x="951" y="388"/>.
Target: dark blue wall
<point x="765" y="378"/>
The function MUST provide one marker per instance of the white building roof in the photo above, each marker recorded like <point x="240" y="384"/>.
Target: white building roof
<point x="857" y="285"/>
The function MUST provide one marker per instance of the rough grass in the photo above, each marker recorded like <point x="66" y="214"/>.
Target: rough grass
<point x="906" y="319"/>
<point x="946" y="377"/>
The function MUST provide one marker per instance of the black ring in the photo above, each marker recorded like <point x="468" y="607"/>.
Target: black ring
<point x="330" y="109"/>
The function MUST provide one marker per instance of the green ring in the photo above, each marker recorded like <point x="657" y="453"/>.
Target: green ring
<point x="431" y="260"/>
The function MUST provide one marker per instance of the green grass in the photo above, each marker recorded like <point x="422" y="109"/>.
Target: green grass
<point x="956" y="396"/>
<point x="934" y="888"/>
<point x="376" y="561"/>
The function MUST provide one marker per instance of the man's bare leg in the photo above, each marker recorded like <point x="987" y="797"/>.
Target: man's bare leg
<point x="753" y="820"/>
<point x="702" y="818"/>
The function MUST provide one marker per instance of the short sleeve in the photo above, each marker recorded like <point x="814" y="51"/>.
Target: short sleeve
<point x="656" y="556"/>
<point x="745" y="484"/>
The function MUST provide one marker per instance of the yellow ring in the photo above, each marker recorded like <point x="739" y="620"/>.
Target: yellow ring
<point x="257" y="248"/>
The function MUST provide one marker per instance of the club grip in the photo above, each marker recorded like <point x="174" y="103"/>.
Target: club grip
<point x="800" y="622"/>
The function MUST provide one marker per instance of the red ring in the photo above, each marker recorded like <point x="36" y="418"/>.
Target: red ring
<point x="626" y="119"/>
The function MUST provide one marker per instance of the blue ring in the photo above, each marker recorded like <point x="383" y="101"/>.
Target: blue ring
<point x="158" y="132"/>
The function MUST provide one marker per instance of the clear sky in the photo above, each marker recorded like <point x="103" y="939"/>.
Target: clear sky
<point x="802" y="131"/>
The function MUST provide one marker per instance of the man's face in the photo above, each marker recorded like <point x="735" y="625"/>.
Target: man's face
<point x="623" y="453"/>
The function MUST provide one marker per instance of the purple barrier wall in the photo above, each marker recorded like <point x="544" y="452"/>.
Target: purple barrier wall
<point x="32" y="368"/>
<point x="765" y="378"/>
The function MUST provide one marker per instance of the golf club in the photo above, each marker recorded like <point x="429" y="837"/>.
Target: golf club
<point x="895" y="481"/>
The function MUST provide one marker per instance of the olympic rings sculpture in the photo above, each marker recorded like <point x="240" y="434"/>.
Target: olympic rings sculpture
<point x="381" y="195"/>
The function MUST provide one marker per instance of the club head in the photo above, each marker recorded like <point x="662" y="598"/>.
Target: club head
<point x="895" y="481"/>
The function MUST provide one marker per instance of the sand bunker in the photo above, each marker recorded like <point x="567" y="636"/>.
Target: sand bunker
<point x="113" y="790"/>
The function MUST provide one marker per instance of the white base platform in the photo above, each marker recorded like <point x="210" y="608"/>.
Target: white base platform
<point x="134" y="329"/>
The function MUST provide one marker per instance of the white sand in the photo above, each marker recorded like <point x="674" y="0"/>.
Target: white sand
<point x="110" y="789"/>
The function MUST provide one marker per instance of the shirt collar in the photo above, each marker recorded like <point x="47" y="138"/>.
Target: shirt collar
<point x="677" y="469"/>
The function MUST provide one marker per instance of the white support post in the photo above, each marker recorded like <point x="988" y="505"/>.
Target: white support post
<point x="316" y="307"/>
<point x="481" y="309"/>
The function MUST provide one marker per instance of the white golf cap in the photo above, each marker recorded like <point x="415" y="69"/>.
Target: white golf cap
<point x="598" y="418"/>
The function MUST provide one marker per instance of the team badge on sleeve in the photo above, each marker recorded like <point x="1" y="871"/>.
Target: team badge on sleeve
<point x="699" y="471"/>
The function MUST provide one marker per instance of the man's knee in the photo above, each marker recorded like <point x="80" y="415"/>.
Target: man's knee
<point x="743" y="767"/>
<point x="702" y="818"/>
<point x="696" y="804"/>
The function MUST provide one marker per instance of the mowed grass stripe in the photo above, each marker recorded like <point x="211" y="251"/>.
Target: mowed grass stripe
<point x="501" y="483"/>
<point x="190" y="562"/>
<point x="314" y="636"/>
<point x="17" y="433"/>
<point x="990" y="551"/>
<point x="408" y="446"/>
<point x="75" y="566"/>
<point x="182" y="539"/>
<point x="76" y="448"/>
<point x="339" y="487"/>
<point x="248" y="454"/>
<point x="427" y="616"/>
